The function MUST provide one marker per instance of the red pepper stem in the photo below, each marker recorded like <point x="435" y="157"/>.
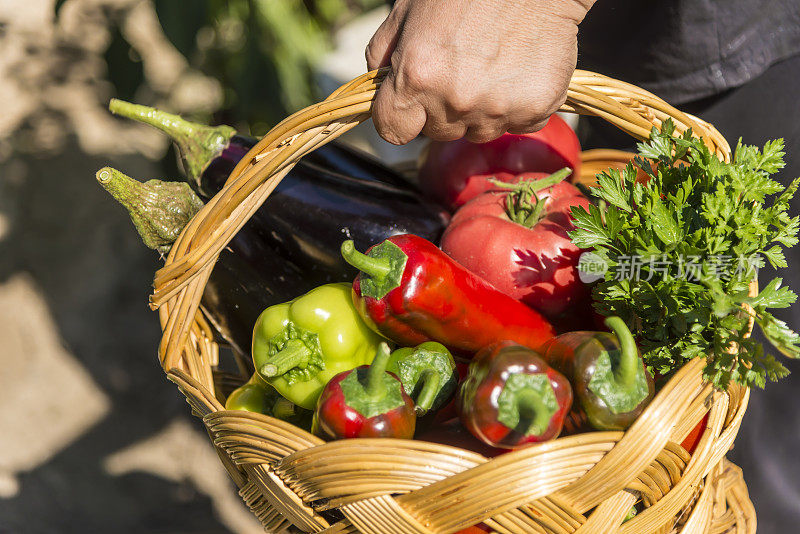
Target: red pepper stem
<point x="376" y="387"/>
<point x="377" y="268"/>
<point x="293" y="354"/>
<point x="431" y="380"/>
<point x="198" y="143"/>
<point x="534" y="416"/>
<point x="625" y="373"/>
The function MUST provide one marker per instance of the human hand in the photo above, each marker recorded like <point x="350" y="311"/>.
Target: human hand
<point x="473" y="68"/>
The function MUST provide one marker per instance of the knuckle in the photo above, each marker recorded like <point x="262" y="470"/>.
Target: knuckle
<point x="484" y="134"/>
<point x="417" y="72"/>
<point x="461" y="101"/>
<point x="443" y="131"/>
<point x="496" y="107"/>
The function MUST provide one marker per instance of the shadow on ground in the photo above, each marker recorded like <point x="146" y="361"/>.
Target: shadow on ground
<point x="81" y="253"/>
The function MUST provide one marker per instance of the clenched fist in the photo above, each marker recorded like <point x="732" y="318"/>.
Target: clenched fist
<point x="473" y="68"/>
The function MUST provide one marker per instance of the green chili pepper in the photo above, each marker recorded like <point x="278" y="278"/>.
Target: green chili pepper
<point x="299" y="345"/>
<point x="428" y="373"/>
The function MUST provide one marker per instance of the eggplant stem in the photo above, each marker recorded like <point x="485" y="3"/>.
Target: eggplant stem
<point x="159" y="210"/>
<point x="197" y="143"/>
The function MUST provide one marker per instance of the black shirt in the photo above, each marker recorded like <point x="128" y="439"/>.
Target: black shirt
<point x="684" y="50"/>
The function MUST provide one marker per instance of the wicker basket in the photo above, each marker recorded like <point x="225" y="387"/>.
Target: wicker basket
<point x="584" y="483"/>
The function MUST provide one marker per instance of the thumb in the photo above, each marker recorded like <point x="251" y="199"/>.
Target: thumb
<point x="397" y="118"/>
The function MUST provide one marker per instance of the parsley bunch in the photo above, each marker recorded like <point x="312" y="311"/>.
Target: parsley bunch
<point x="699" y="229"/>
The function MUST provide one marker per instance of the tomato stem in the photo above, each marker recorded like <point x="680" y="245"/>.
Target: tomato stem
<point x="523" y="206"/>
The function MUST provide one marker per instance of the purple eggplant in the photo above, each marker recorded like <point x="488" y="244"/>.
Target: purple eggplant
<point x="247" y="277"/>
<point x="333" y="194"/>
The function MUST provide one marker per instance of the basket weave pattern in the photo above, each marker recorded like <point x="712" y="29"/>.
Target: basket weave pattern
<point x="584" y="483"/>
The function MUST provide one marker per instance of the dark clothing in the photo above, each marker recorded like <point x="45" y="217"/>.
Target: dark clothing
<point x="768" y="445"/>
<point x="684" y="50"/>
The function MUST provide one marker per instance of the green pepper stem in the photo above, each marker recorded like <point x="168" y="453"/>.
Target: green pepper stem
<point x="376" y="388"/>
<point x="159" y="210"/>
<point x="377" y="268"/>
<point x="523" y="206"/>
<point x="283" y="409"/>
<point x="197" y="143"/>
<point x="534" y="416"/>
<point x="295" y="353"/>
<point x="625" y="373"/>
<point x="431" y="382"/>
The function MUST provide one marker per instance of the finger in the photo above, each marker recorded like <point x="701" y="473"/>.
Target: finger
<point x="397" y="118"/>
<point x="485" y="132"/>
<point x="528" y="127"/>
<point x="380" y="47"/>
<point x="444" y="131"/>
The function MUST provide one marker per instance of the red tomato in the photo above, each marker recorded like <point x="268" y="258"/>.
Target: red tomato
<point x="454" y="172"/>
<point x="536" y="265"/>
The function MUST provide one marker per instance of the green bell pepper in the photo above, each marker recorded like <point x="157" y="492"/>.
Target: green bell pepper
<point x="299" y="345"/>
<point x="257" y="396"/>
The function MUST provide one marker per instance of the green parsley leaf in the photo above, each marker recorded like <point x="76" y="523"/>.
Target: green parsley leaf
<point x="683" y="247"/>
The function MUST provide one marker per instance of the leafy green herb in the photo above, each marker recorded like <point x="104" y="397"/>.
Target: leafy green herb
<point x="682" y="248"/>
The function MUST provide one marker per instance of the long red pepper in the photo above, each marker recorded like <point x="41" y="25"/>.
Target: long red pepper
<point x="411" y="292"/>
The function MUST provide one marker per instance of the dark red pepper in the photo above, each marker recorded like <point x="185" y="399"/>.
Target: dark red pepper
<point x="480" y="528"/>
<point x="411" y="292"/>
<point x="512" y="398"/>
<point x="365" y="402"/>
<point x="612" y="385"/>
<point x="690" y="441"/>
